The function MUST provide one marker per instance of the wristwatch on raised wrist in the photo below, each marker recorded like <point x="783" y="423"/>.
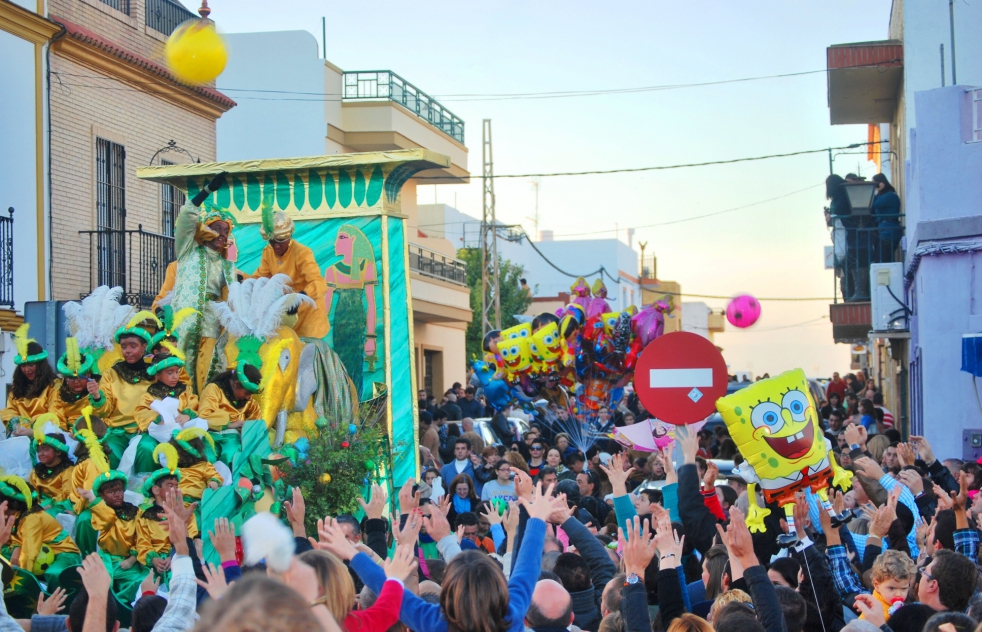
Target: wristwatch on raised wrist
<point x="632" y="579"/>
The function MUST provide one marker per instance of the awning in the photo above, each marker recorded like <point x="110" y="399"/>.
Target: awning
<point x="864" y="81"/>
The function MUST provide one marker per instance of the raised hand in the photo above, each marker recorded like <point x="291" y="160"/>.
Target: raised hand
<point x="489" y="512"/>
<point x="912" y="480"/>
<point x="923" y="448"/>
<point x="563" y="513"/>
<point x="375" y="508"/>
<point x="671" y="474"/>
<point x="223" y="539"/>
<point x="437" y="526"/>
<point x="617" y="474"/>
<point x="542" y="504"/>
<point x="856" y="435"/>
<point x="689" y="443"/>
<point x="296" y="512"/>
<point x="53" y="604"/>
<point x="333" y="541"/>
<point x="510" y="520"/>
<point x="177" y="516"/>
<point x="885" y="515"/>
<point x="944" y="501"/>
<point x="150" y="583"/>
<point x="739" y="542"/>
<point x="668" y="543"/>
<point x="214" y="582"/>
<point x="709" y="480"/>
<point x="906" y="454"/>
<point x="869" y="468"/>
<point x="401" y="564"/>
<point x="523" y="484"/>
<point x="639" y="548"/>
<point x="870" y="609"/>
<point x="408" y="500"/>
<point x="409" y="532"/>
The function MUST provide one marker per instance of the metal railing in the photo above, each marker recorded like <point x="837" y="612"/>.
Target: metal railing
<point x="135" y="260"/>
<point x="164" y="16"/>
<point x="7" y="259"/>
<point x="120" y="5"/>
<point x="858" y="241"/>
<point x="385" y="84"/>
<point x="431" y="263"/>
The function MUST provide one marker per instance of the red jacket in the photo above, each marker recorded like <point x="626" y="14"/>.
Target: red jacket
<point x="382" y="615"/>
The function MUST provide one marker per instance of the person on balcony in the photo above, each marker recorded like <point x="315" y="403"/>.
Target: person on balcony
<point x="33" y="388"/>
<point x="202" y="240"/>
<point x="886" y="211"/>
<point x="838" y="216"/>
<point x="284" y="255"/>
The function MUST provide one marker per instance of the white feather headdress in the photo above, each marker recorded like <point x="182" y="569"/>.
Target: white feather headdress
<point x="94" y="321"/>
<point x="255" y="307"/>
<point x="264" y="537"/>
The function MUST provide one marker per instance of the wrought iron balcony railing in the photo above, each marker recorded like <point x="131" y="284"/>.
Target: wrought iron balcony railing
<point x="7" y="259"/>
<point x="858" y="241"/>
<point x="135" y="260"/>
<point x="385" y="84"/>
<point x="164" y="16"/>
<point x="122" y="6"/>
<point x="431" y="263"/>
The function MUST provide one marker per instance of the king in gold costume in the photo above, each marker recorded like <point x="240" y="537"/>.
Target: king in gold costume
<point x="284" y="255"/>
<point x="203" y="240"/>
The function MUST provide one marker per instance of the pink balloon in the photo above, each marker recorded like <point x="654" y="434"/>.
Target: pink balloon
<point x="743" y="311"/>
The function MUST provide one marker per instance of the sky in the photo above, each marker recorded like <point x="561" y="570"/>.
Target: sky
<point x="773" y="249"/>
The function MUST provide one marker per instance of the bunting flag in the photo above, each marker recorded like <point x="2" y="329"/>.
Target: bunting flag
<point x="873" y="153"/>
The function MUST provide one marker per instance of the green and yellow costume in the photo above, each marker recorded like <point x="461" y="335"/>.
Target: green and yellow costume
<point x="117" y="539"/>
<point x="152" y="539"/>
<point x="45" y="548"/>
<point x="146" y="415"/>
<point x="53" y="484"/>
<point x="203" y="277"/>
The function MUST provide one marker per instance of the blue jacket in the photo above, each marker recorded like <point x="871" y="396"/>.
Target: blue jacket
<point x="421" y="616"/>
<point x="887" y="204"/>
<point x="449" y="472"/>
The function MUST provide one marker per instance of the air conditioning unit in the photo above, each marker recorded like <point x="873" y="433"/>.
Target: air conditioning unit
<point x="889" y="312"/>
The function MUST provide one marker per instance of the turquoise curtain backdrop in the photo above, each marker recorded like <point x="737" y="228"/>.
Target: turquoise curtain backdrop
<point x="402" y="393"/>
<point x="320" y="235"/>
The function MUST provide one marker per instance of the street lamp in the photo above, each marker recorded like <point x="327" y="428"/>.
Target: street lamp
<point x="860" y="196"/>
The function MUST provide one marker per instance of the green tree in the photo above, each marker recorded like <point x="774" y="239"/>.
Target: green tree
<point x="514" y="300"/>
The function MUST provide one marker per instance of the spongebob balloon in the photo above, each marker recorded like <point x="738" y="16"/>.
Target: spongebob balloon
<point x="548" y="343"/>
<point x="775" y="425"/>
<point x="516" y="355"/>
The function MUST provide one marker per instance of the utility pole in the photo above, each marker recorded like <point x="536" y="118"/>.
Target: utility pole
<point x="951" y="22"/>
<point x="535" y="219"/>
<point x="642" y="244"/>
<point x="490" y="295"/>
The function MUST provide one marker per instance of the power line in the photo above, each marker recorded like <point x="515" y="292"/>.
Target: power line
<point x="666" y="167"/>
<point x="502" y="96"/>
<point x="695" y="217"/>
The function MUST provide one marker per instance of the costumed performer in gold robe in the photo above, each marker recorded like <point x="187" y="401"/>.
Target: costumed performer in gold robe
<point x="38" y="543"/>
<point x="285" y="255"/>
<point x="122" y="388"/>
<point x="34" y="385"/>
<point x="76" y="368"/>
<point x="153" y="545"/>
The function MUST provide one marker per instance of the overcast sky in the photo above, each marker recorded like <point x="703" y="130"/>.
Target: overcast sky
<point x="770" y="250"/>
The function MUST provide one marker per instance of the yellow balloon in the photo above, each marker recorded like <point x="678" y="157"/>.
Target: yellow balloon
<point x="325" y="478"/>
<point x="195" y="52"/>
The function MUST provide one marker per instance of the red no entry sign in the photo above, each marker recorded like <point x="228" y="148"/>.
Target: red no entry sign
<point x="679" y="377"/>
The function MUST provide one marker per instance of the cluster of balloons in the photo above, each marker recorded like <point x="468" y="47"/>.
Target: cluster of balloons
<point x="579" y="357"/>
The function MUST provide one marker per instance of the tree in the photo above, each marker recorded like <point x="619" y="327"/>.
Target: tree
<point x="514" y="299"/>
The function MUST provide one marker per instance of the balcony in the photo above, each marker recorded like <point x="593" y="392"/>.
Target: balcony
<point x="135" y="260"/>
<point x="7" y="259"/>
<point x="385" y="84"/>
<point x="858" y="241"/>
<point x="864" y="81"/>
<point x="433" y="264"/>
<point x="164" y="16"/>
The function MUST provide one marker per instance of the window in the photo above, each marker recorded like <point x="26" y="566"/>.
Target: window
<point x="111" y="212"/>
<point x="122" y="6"/>
<point x="172" y="199"/>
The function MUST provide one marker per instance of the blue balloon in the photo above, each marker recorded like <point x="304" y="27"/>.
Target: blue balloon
<point x="352" y="428"/>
